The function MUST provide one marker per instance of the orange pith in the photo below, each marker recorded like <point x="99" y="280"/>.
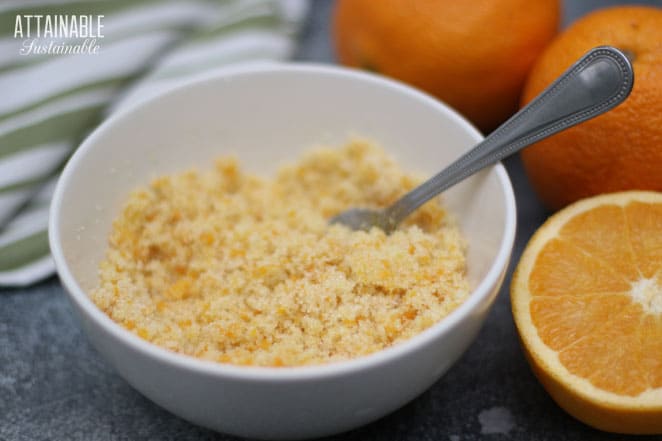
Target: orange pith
<point x="587" y="300"/>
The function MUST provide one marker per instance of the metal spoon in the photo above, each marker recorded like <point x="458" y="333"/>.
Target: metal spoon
<point x="596" y="83"/>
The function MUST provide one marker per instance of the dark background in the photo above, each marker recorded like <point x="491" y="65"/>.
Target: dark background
<point x="54" y="386"/>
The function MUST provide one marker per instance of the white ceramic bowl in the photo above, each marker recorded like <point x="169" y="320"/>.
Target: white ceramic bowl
<point x="267" y="115"/>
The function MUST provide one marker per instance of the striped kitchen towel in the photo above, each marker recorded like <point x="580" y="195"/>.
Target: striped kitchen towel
<point x="66" y="64"/>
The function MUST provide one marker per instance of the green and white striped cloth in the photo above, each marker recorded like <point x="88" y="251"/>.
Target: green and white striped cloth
<point x="49" y="102"/>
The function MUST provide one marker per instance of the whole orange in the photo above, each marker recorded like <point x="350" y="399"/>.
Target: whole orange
<point x="622" y="149"/>
<point x="474" y="55"/>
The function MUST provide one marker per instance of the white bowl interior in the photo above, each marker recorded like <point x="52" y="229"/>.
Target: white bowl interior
<point x="268" y="116"/>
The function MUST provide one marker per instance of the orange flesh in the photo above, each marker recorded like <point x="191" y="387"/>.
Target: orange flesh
<point x="596" y="297"/>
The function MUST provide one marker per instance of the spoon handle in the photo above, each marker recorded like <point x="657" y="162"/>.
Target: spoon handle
<point x="596" y="83"/>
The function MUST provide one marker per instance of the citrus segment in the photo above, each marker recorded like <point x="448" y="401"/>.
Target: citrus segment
<point x="652" y="348"/>
<point x="642" y="220"/>
<point x="609" y="356"/>
<point x="563" y="268"/>
<point x="591" y="230"/>
<point x="562" y="321"/>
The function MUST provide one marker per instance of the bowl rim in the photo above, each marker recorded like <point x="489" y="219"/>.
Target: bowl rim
<point x="262" y="373"/>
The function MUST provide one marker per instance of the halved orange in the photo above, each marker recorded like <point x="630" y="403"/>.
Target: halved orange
<point x="587" y="302"/>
